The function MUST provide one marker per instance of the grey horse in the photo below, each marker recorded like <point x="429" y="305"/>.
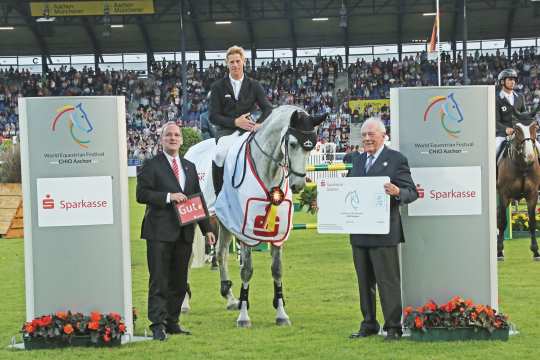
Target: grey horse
<point x="279" y="150"/>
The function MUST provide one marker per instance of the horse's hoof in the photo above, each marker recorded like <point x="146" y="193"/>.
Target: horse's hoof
<point x="185" y="310"/>
<point x="500" y="258"/>
<point x="283" y="322"/>
<point x="243" y="323"/>
<point x="536" y="258"/>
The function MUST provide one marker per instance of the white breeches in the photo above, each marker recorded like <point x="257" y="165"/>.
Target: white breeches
<point x="223" y="145"/>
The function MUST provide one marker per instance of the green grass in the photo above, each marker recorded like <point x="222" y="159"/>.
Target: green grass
<point x="322" y="301"/>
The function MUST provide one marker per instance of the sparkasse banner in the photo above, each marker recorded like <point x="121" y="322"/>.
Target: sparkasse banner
<point x="447" y="191"/>
<point x="75" y="201"/>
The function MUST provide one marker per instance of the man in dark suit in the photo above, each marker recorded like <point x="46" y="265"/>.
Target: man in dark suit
<point x="232" y="101"/>
<point x="163" y="181"/>
<point x="376" y="257"/>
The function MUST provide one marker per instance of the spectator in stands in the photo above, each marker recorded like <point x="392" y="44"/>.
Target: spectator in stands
<point x="208" y="130"/>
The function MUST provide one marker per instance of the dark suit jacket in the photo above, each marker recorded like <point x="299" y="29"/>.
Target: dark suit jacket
<point x="224" y="108"/>
<point x="393" y="164"/>
<point x="506" y="115"/>
<point x="155" y="179"/>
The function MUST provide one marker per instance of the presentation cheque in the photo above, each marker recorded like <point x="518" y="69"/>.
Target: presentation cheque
<point x="353" y="205"/>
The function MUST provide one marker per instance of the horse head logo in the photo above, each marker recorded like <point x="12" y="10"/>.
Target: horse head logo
<point x="450" y="113"/>
<point x="353" y="200"/>
<point x="77" y="121"/>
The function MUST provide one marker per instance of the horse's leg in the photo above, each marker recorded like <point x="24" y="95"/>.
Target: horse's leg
<point x="531" y="209"/>
<point x="186" y="307"/>
<point x="224" y="240"/>
<point x="501" y="225"/>
<point x="279" y="302"/>
<point x="246" y="271"/>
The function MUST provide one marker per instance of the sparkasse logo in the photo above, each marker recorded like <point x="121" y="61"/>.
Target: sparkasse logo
<point x="48" y="202"/>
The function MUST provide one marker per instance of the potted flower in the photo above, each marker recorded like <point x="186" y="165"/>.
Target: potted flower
<point x="64" y="329"/>
<point x="458" y="319"/>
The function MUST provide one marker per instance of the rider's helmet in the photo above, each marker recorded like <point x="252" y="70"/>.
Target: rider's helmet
<point x="507" y="74"/>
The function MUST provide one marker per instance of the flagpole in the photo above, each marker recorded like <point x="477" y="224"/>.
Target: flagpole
<point x="438" y="44"/>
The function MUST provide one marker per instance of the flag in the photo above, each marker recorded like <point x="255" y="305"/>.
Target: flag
<point x="433" y="52"/>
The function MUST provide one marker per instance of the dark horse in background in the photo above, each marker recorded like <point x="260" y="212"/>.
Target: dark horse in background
<point x="518" y="176"/>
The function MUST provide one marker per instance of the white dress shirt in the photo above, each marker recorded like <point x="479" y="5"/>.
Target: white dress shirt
<point x="510" y="97"/>
<point x="236" y="85"/>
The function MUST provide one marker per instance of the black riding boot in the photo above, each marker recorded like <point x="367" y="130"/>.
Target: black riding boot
<point x="217" y="177"/>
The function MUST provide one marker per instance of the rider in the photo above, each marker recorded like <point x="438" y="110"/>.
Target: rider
<point x="232" y="101"/>
<point x="510" y="108"/>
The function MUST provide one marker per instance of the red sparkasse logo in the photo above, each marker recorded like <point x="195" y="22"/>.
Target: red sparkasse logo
<point x="420" y="191"/>
<point x="48" y="202"/>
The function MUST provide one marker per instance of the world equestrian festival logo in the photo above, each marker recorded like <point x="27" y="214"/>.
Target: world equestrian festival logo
<point x="450" y="113"/>
<point x="78" y="123"/>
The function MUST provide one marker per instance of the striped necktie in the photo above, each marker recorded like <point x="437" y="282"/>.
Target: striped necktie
<point x="369" y="163"/>
<point x="175" y="169"/>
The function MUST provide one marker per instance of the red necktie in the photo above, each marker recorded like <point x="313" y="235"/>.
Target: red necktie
<point x="175" y="169"/>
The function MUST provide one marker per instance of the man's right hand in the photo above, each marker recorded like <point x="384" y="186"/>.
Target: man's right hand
<point x="178" y="197"/>
<point x="509" y="131"/>
<point x="244" y="122"/>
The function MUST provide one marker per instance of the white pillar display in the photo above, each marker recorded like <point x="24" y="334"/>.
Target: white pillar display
<point x="76" y="209"/>
<point x="448" y="136"/>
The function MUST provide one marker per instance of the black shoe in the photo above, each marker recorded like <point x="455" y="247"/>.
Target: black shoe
<point x="362" y="333"/>
<point x="176" y="329"/>
<point x="392" y="335"/>
<point x="158" y="332"/>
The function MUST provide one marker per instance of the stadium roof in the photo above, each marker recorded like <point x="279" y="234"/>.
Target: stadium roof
<point x="264" y="24"/>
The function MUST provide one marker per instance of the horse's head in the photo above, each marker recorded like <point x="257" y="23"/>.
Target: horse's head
<point x="525" y="142"/>
<point x="80" y="119"/>
<point x="300" y="139"/>
<point x="452" y="109"/>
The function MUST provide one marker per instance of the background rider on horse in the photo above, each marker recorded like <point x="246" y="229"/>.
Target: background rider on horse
<point x="510" y="109"/>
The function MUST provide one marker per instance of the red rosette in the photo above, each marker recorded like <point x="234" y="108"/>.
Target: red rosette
<point x="276" y="196"/>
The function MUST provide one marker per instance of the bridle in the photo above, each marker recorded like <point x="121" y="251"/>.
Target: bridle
<point x="307" y="140"/>
<point x="518" y="149"/>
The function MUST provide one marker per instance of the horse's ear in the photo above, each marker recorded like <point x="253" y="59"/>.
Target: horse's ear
<point x="318" y="119"/>
<point x="533" y="128"/>
<point x="294" y="119"/>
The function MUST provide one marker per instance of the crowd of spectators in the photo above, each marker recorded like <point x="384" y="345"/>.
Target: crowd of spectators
<point x="156" y="98"/>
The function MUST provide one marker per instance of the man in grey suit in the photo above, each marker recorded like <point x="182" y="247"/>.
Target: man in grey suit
<point x="376" y="257"/>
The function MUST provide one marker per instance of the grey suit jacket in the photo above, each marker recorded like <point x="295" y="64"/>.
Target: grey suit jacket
<point x="393" y="164"/>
